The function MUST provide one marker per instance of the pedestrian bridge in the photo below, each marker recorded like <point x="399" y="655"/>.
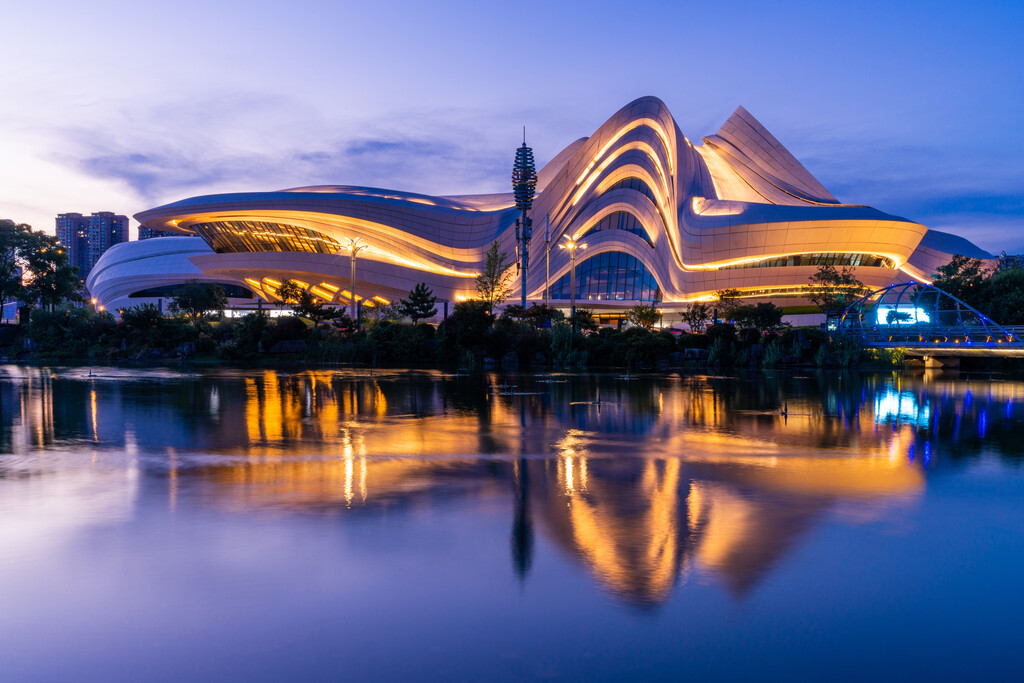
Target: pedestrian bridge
<point x="929" y="323"/>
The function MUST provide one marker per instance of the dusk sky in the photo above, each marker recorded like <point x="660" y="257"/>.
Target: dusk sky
<point x="912" y="107"/>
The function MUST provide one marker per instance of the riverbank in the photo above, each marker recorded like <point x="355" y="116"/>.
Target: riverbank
<point x="469" y="339"/>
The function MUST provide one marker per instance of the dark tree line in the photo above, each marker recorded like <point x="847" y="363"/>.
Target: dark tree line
<point x="999" y="293"/>
<point x="35" y="269"/>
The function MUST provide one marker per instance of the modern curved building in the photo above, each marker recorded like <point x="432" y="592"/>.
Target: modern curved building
<point x="663" y="220"/>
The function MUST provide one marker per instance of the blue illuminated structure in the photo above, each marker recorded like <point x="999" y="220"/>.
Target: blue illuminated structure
<point x="916" y="314"/>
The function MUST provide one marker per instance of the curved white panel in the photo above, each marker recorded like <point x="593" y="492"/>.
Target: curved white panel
<point x="741" y="198"/>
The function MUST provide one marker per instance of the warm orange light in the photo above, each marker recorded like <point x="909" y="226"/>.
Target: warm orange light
<point x="635" y="123"/>
<point x="321" y="293"/>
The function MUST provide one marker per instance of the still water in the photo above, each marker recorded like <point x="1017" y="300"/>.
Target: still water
<point x="354" y="525"/>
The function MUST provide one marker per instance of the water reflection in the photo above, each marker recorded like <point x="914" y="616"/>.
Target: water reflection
<point x="644" y="481"/>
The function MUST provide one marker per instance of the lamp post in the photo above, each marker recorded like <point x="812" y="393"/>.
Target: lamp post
<point x="353" y="247"/>
<point x="547" y="260"/>
<point x="572" y="244"/>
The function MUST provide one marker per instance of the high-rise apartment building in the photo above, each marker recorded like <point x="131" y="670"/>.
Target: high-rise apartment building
<point x="149" y="233"/>
<point x="87" y="237"/>
<point x="73" y="233"/>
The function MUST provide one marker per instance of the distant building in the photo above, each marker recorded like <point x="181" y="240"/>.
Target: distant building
<point x="105" y="230"/>
<point x="87" y="237"/>
<point x="1010" y="261"/>
<point x="73" y="233"/>
<point x="149" y="233"/>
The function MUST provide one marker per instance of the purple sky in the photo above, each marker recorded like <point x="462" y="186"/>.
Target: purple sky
<point x="912" y="107"/>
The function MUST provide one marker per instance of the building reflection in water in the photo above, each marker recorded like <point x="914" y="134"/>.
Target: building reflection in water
<point x="659" y="478"/>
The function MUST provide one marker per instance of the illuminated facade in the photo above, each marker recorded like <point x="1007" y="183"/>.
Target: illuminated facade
<point x="664" y="220"/>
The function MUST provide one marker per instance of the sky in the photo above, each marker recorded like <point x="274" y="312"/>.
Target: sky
<point x="911" y="107"/>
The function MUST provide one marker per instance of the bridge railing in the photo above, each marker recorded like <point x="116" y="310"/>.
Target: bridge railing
<point x="919" y="334"/>
<point x="1015" y="330"/>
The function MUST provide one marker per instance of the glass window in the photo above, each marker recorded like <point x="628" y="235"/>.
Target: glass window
<point x="620" y="220"/>
<point x="834" y="259"/>
<point x="634" y="184"/>
<point x="254" y="236"/>
<point x="611" y="275"/>
<point x="168" y="291"/>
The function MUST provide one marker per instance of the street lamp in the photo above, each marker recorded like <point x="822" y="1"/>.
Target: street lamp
<point x="547" y="260"/>
<point x="572" y="244"/>
<point x="353" y="247"/>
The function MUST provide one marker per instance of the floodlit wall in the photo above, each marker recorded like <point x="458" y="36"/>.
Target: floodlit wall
<point x="726" y="213"/>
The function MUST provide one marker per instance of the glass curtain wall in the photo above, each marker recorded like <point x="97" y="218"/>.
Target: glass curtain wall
<point x="254" y="236"/>
<point x="610" y="276"/>
<point x="621" y="220"/>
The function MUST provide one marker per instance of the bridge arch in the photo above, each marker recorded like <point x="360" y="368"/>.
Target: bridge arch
<point x="920" y="315"/>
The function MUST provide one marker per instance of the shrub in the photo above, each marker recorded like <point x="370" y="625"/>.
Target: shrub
<point x="465" y="329"/>
<point x="843" y="351"/>
<point x="567" y="347"/>
<point x="773" y="354"/>
<point x="723" y="331"/>
<point x="718" y="353"/>
<point x="693" y="341"/>
<point x="330" y="345"/>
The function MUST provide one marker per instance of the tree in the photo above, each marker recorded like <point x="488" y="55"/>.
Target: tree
<point x="728" y="299"/>
<point x="51" y="277"/>
<point x="515" y="312"/>
<point x="643" y="315"/>
<point x="420" y="303"/>
<point x="764" y="317"/>
<point x="305" y="305"/>
<point x="697" y="316"/>
<point x="493" y="284"/>
<point x="584" y="319"/>
<point x="383" y="312"/>
<point x="468" y="324"/>
<point x="144" y="317"/>
<point x="14" y="242"/>
<point x="143" y="325"/>
<point x="542" y="315"/>
<point x="197" y="299"/>
<point x="1003" y="299"/>
<point x="316" y="310"/>
<point x="898" y="317"/>
<point x="962" y="277"/>
<point x="834" y="290"/>
<point x="290" y="292"/>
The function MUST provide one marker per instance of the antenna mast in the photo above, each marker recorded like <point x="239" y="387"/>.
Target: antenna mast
<point x="524" y="188"/>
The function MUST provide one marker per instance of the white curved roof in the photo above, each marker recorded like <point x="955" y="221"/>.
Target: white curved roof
<point x="130" y="267"/>
<point x="709" y="211"/>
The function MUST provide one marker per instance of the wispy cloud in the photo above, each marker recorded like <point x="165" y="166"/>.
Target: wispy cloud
<point x="246" y="142"/>
<point x="168" y="151"/>
<point x="974" y="192"/>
